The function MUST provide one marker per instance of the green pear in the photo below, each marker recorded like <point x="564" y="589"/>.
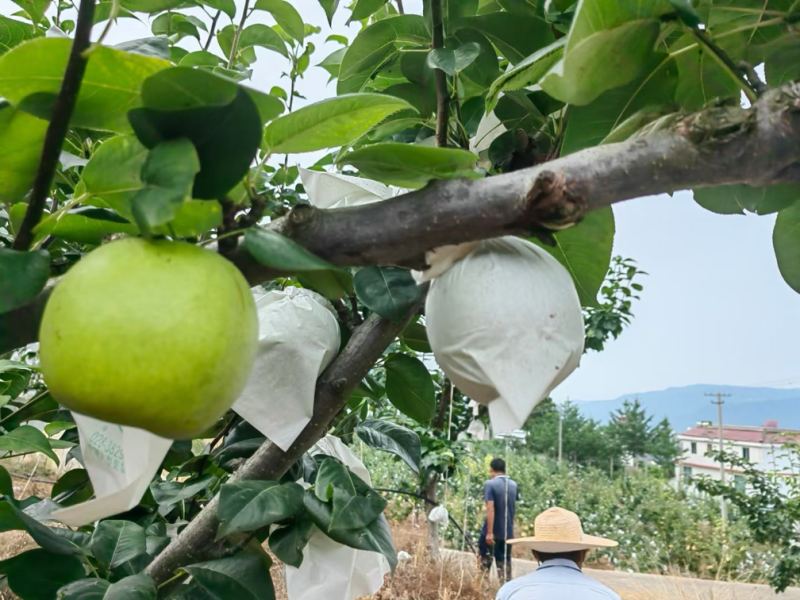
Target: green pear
<point x="154" y="334"/>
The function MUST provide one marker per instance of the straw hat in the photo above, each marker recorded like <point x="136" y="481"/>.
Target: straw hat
<point x="558" y="530"/>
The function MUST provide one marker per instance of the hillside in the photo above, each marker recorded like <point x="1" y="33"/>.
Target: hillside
<point x="685" y="406"/>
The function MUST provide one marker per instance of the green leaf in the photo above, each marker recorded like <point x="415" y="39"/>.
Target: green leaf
<point x="355" y="503"/>
<point x="516" y="35"/>
<point x="21" y="141"/>
<point x="169" y="493"/>
<point x="701" y="79"/>
<point x="226" y="6"/>
<point x="786" y="241"/>
<point x="329" y="123"/>
<point x="135" y="587"/>
<point x="201" y="58"/>
<point x="250" y="505"/>
<point x="334" y="284"/>
<point x="244" y="577"/>
<point x="113" y="174"/>
<point x="287" y="543"/>
<point x="32" y="73"/>
<point x="410" y="388"/>
<point x="410" y="166"/>
<point x="13" y="33"/>
<point x="415" y="336"/>
<point x="590" y="125"/>
<point x="485" y="68"/>
<point x="167" y="175"/>
<point x="86" y="225"/>
<point x="26" y="439"/>
<point x="375" y="538"/>
<point x="113" y="178"/>
<point x="6" y="485"/>
<point x="366" y="8"/>
<point x="226" y="136"/>
<point x="374" y="45"/>
<point x="34" y="8"/>
<point x="177" y="25"/>
<point x="286" y="16"/>
<point x="526" y="73"/>
<point x="150" y="6"/>
<point x="13" y="519"/>
<point x="451" y="61"/>
<point x="38" y="574"/>
<point x="329" y="6"/>
<point x="388" y="291"/>
<point x="73" y="487"/>
<point x="392" y="438"/>
<point x="22" y="276"/>
<point x="736" y="199"/>
<point x="686" y="12"/>
<point x="271" y="249"/>
<point x="117" y="542"/>
<point x="609" y="44"/>
<point x="585" y="251"/>
<point x="254" y="35"/>
<point x="157" y="47"/>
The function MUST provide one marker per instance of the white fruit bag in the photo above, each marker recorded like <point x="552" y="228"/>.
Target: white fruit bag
<point x="298" y="339"/>
<point x="121" y="462"/>
<point x="331" y="190"/>
<point x="331" y="570"/>
<point x="505" y="325"/>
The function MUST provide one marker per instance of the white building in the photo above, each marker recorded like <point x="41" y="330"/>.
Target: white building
<point x="764" y="446"/>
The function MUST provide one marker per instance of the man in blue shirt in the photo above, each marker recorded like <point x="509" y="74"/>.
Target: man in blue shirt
<point x="500" y="494"/>
<point x="560" y="546"/>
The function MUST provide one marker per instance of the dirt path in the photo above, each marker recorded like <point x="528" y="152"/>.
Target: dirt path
<point x="637" y="586"/>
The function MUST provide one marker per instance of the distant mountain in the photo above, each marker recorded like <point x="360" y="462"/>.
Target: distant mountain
<point x="685" y="406"/>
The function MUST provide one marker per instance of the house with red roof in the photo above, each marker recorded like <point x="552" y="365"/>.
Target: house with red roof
<point x="764" y="446"/>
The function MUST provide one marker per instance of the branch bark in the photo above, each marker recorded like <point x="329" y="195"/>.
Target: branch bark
<point x="716" y="146"/>
<point x="196" y="542"/>
<point x="59" y="125"/>
<point x="442" y="95"/>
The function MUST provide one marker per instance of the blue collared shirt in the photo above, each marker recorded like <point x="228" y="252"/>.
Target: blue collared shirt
<point x="559" y="578"/>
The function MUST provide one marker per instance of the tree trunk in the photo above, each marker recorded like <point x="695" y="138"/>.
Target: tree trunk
<point x="433" y="528"/>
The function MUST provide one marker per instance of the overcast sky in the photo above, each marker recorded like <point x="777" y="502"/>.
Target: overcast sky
<point x="714" y="308"/>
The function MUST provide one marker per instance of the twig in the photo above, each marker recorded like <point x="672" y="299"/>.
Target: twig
<point x="36" y="479"/>
<point x="752" y="77"/>
<point x="344" y="315"/>
<point x="726" y="63"/>
<point x="211" y="31"/>
<point x="238" y="34"/>
<point x="442" y="97"/>
<point x="400" y="7"/>
<point x="59" y="125"/>
<point x="357" y="319"/>
<point x="433" y="503"/>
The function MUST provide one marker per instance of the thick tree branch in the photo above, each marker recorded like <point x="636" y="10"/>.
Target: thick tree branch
<point x="716" y="146"/>
<point x="59" y="124"/>
<point x="442" y="95"/>
<point x="196" y="542"/>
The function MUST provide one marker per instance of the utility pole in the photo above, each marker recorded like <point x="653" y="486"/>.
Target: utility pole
<point x="719" y="402"/>
<point x="560" y="435"/>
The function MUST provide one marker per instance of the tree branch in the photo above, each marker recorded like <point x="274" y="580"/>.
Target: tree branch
<point x="442" y="96"/>
<point x="237" y="35"/>
<point x="196" y="542"/>
<point x="59" y="125"/>
<point x="716" y="146"/>
<point x="211" y="31"/>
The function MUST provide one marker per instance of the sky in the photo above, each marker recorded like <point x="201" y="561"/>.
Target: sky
<point x="714" y="308"/>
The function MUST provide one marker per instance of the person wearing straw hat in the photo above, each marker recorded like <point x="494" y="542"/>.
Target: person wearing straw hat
<point x="560" y="546"/>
